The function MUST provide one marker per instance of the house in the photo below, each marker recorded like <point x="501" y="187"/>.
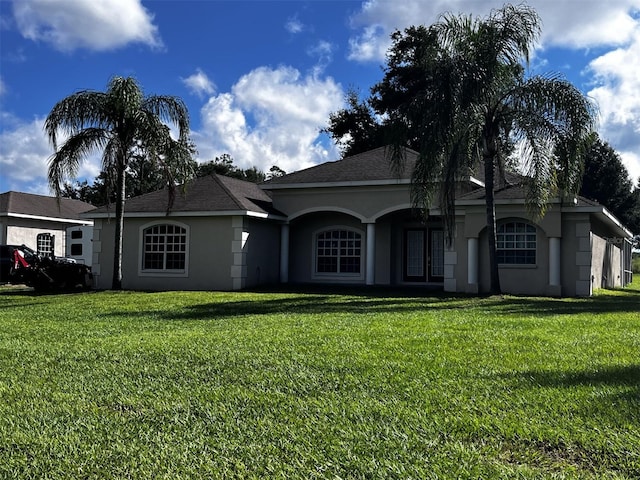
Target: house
<point x="46" y="224"/>
<point x="351" y="222"/>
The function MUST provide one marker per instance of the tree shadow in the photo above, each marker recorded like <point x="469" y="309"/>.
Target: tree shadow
<point x="617" y="376"/>
<point x="315" y="300"/>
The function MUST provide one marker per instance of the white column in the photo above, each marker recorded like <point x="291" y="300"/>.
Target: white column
<point x="284" y="253"/>
<point x="554" y="262"/>
<point x="371" y="253"/>
<point x="472" y="261"/>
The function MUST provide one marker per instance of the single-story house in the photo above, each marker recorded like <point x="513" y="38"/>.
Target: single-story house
<point x="351" y="222"/>
<point x="46" y="224"/>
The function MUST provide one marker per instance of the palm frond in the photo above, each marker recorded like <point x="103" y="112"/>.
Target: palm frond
<point x="85" y="109"/>
<point x="64" y="164"/>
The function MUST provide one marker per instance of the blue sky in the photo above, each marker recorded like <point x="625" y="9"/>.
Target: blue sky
<point x="260" y="78"/>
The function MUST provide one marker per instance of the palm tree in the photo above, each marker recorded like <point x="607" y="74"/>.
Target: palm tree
<point x="457" y="92"/>
<point x="123" y="124"/>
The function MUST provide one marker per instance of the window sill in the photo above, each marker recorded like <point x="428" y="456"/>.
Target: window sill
<point x="163" y="273"/>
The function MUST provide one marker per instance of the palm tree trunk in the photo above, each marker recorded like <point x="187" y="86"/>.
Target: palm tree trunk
<point x="116" y="283"/>
<point x="491" y="224"/>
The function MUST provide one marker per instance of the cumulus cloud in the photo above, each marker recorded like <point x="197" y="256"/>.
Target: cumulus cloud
<point x="71" y="24"/>
<point x="24" y="155"/>
<point x="617" y="91"/>
<point x="270" y="116"/>
<point x="199" y="84"/>
<point x="590" y="25"/>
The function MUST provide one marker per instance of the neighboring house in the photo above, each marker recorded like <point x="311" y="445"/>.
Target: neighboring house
<point x="352" y="222"/>
<point x="49" y="226"/>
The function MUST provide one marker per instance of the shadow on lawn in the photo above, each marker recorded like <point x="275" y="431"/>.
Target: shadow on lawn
<point x="618" y="388"/>
<point x="377" y="303"/>
<point x="615" y="376"/>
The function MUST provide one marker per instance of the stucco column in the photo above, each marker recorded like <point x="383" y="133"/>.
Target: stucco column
<point x="284" y="253"/>
<point x="555" y="285"/>
<point x="371" y="253"/>
<point x="472" y="265"/>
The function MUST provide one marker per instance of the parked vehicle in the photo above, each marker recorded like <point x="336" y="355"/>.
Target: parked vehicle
<point x="20" y="264"/>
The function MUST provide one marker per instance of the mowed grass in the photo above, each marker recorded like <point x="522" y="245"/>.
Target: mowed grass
<point x="318" y="385"/>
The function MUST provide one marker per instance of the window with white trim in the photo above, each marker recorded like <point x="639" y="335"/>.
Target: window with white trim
<point x="164" y="248"/>
<point x="338" y="251"/>
<point x="516" y="243"/>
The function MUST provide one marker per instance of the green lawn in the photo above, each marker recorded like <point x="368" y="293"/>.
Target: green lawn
<point x="317" y="385"/>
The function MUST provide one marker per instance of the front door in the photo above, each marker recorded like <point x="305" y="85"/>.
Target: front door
<point x="423" y="255"/>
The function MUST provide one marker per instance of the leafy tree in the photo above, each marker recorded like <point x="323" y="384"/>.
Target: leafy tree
<point x="275" y="172"/>
<point x="124" y="124"/>
<point x="356" y="128"/>
<point x="223" y="165"/>
<point x="457" y="93"/>
<point x="606" y="180"/>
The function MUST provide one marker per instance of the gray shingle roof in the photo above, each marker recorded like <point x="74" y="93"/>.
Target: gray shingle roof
<point x="213" y="193"/>
<point x="365" y="167"/>
<point x="42" y="206"/>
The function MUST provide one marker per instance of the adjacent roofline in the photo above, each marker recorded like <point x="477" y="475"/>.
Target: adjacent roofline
<point x="48" y="219"/>
<point x="182" y="213"/>
<point x="364" y="183"/>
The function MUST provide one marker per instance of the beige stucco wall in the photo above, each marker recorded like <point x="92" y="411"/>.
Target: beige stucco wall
<point x="606" y="256"/>
<point x="209" y="255"/>
<point x="360" y="202"/>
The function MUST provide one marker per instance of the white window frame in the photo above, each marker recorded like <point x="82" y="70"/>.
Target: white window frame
<point x="517" y="241"/>
<point x="46" y="244"/>
<point x="148" y="272"/>
<point x="351" y="276"/>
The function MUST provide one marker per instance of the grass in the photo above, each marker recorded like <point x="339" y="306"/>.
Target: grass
<point x="318" y="385"/>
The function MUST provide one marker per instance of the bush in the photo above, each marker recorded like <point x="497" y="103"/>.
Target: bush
<point x="635" y="263"/>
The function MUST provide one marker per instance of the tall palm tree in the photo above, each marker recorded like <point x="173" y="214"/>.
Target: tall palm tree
<point x="123" y="124"/>
<point x="458" y="93"/>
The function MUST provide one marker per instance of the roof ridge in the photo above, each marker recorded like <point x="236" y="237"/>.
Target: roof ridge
<point x="228" y="191"/>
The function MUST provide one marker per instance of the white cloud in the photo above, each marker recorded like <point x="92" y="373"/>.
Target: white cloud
<point x="294" y="25"/>
<point x="24" y="155"/>
<point x="271" y="116"/>
<point x="3" y="87"/>
<point x="96" y="25"/>
<point x="617" y="90"/>
<point x="199" y="84"/>
<point x="566" y="23"/>
<point x="323" y="51"/>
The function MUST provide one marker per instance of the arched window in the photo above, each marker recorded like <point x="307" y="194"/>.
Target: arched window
<point x="338" y="251"/>
<point x="516" y="243"/>
<point x="164" y="248"/>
